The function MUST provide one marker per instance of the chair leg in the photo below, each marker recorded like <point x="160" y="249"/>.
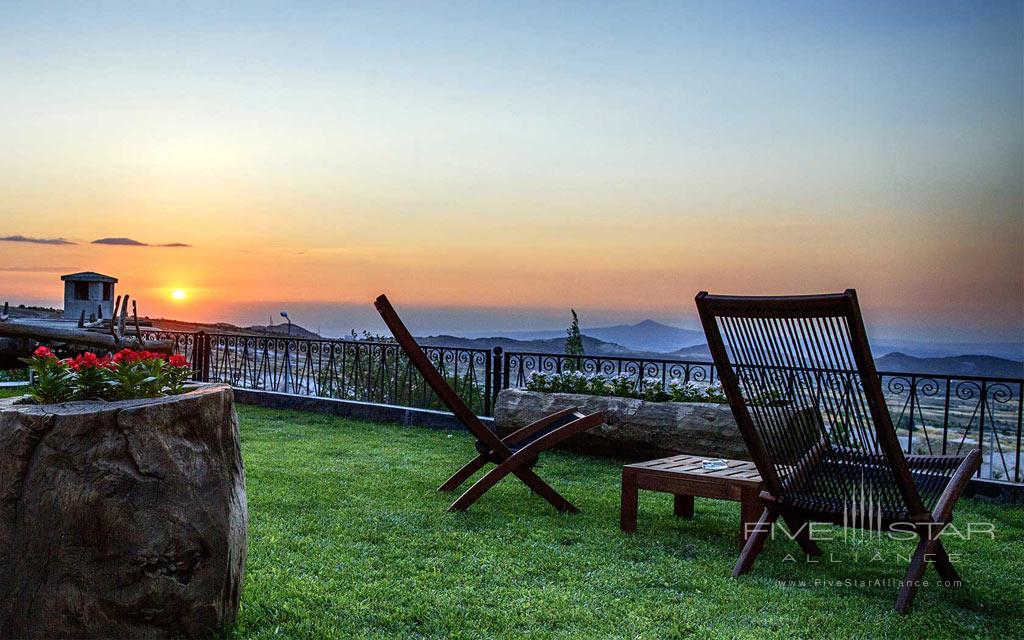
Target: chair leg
<point x="755" y="542"/>
<point x="544" y="490"/>
<point x="915" y="572"/>
<point x="481" y="486"/>
<point x="750" y="511"/>
<point x="463" y="474"/>
<point x="943" y="565"/>
<point x="801" y="530"/>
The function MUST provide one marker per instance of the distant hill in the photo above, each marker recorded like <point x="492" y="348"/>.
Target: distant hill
<point x="646" y="336"/>
<point x="698" y="353"/>
<point x="1006" y="350"/>
<point x="226" y="327"/>
<point x="971" y="365"/>
<point x="282" y="330"/>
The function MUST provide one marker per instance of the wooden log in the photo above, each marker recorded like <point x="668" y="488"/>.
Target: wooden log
<point x="76" y="336"/>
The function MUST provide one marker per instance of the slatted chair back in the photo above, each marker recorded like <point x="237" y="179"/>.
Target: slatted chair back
<point x="433" y="377"/>
<point x="799" y="375"/>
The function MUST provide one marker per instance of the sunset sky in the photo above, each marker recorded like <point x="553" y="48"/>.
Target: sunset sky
<point x="493" y="164"/>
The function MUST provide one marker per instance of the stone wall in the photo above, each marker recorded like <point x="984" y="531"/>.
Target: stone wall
<point x="636" y="429"/>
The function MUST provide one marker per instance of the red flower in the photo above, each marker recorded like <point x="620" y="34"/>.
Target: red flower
<point x="123" y="354"/>
<point x="130" y="356"/>
<point x="43" y="352"/>
<point x="87" y="360"/>
<point x="178" y="361"/>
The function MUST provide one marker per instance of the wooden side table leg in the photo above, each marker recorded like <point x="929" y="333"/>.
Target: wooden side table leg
<point x="628" y="508"/>
<point x="683" y="506"/>
<point x="750" y="512"/>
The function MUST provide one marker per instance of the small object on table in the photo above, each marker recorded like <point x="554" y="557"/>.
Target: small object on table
<point x="716" y="464"/>
<point x="686" y="476"/>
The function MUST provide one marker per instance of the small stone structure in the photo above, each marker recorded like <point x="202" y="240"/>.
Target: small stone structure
<point x="121" y="519"/>
<point x="636" y="429"/>
<point x="88" y="292"/>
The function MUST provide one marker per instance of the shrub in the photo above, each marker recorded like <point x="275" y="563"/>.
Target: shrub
<point x="625" y="386"/>
<point x="574" y="342"/>
<point x="126" y="375"/>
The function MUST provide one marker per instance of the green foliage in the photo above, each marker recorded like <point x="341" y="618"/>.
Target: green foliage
<point x="125" y="375"/>
<point x="92" y="383"/>
<point x="369" y="373"/>
<point x="348" y="538"/>
<point x="13" y="375"/>
<point x="52" y="379"/>
<point x="135" y="380"/>
<point x="625" y="386"/>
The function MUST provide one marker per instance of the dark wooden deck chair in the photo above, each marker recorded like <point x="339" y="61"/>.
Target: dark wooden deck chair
<point x="514" y="454"/>
<point x="803" y="388"/>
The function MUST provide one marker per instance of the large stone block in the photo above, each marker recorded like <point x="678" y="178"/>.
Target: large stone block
<point x="121" y="519"/>
<point x="636" y="429"/>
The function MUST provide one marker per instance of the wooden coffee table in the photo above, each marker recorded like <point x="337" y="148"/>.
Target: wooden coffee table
<point x="685" y="477"/>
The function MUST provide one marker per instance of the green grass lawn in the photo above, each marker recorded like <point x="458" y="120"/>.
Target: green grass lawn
<point x="348" y="538"/>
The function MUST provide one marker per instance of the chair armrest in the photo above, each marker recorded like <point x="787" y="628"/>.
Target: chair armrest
<point x="522" y="434"/>
<point x="559" y="434"/>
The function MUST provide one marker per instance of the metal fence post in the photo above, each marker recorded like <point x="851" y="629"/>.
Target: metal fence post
<point x="201" y="352"/>
<point x="497" y="367"/>
<point x="197" y="355"/>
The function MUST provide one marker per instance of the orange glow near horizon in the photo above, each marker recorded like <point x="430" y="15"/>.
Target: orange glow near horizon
<point x="658" y="283"/>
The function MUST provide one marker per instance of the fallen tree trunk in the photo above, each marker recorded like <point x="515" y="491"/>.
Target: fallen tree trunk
<point x="49" y="333"/>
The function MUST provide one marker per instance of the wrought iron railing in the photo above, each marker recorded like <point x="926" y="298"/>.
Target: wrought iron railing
<point x="933" y="413"/>
<point x="376" y="372"/>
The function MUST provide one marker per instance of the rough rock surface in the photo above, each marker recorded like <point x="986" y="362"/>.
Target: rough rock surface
<point x="636" y="429"/>
<point x="121" y="519"/>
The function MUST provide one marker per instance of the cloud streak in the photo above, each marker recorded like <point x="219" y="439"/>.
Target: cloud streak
<point x="131" y="242"/>
<point x="18" y="238"/>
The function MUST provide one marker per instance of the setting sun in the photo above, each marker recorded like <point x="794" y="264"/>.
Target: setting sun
<point x="178" y="294"/>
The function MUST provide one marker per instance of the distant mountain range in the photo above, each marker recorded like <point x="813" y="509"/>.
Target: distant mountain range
<point x="952" y="365"/>
<point x="967" y="365"/>
<point x="978" y="365"/>
<point x="546" y="345"/>
<point x="643" y="336"/>
<point x="649" y="339"/>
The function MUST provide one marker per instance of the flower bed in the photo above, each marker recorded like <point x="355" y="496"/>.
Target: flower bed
<point x="125" y="375"/>
<point x="624" y="386"/>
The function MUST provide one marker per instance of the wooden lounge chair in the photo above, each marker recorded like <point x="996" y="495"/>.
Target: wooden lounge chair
<point x="803" y="388"/>
<point x="514" y="454"/>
